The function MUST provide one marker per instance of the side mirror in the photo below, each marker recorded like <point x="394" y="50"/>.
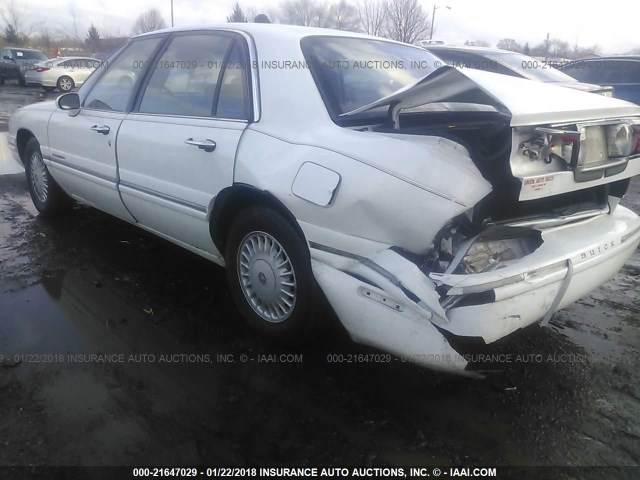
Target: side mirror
<point x="5" y="57"/>
<point x="68" y="101"/>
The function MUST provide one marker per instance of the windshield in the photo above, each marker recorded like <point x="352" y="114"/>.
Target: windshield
<point x="353" y="72"/>
<point x="28" y="55"/>
<point x="530" y="68"/>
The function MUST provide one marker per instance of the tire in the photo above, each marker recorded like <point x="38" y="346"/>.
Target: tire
<point x="47" y="196"/>
<point x="65" y="83"/>
<point x="1" y="81"/>
<point x="284" y="307"/>
<point x="21" y="81"/>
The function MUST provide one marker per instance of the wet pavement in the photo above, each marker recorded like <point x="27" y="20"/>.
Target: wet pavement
<point x="119" y="348"/>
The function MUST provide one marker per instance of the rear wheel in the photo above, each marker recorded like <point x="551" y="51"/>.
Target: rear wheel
<point x="46" y="194"/>
<point x="66" y="83"/>
<point x="22" y="81"/>
<point x="270" y="277"/>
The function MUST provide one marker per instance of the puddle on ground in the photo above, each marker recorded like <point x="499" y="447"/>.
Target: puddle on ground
<point x="105" y="288"/>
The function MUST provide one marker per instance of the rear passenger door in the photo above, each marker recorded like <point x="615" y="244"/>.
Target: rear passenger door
<point x="176" y="150"/>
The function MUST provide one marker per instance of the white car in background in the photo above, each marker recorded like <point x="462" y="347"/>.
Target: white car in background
<point x="424" y="203"/>
<point x="63" y="73"/>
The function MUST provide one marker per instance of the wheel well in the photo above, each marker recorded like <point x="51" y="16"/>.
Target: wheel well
<point x="230" y="201"/>
<point x="22" y="138"/>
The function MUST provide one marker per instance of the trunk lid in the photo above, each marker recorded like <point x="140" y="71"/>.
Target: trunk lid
<point x="557" y="137"/>
<point x="526" y="101"/>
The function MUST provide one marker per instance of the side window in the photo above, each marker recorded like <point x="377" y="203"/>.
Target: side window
<point x="185" y="78"/>
<point x="233" y="101"/>
<point x="622" y="71"/>
<point x="114" y="88"/>
<point x="588" y="72"/>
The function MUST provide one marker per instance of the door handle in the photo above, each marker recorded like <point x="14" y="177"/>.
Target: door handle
<point x="103" y="129"/>
<point x="206" y="145"/>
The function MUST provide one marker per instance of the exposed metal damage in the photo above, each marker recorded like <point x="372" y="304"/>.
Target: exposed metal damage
<point x="513" y="258"/>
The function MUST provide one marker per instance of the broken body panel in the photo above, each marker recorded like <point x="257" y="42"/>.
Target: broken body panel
<point x="479" y="204"/>
<point x="398" y="299"/>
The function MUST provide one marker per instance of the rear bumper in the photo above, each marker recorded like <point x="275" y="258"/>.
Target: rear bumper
<point x="387" y="302"/>
<point x="33" y="79"/>
<point x="573" y="260"/>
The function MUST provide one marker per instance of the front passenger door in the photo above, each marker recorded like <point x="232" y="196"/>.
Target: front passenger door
<point x="82" y="156"/>
<point x="177" y="149"/>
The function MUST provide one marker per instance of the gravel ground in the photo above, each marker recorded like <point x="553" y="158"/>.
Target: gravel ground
<point x="87" y="283"/>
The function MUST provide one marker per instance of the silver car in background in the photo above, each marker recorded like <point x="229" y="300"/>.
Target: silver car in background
<point x="64" y="73"/>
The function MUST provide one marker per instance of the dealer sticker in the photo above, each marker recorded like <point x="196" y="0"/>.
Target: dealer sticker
<point x="538" y="183"/>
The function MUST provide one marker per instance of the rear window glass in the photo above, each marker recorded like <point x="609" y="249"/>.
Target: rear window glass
<point x="28" y="55"/>
<point x="353" y="72"/>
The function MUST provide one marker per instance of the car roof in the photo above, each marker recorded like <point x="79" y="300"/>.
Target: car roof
<point x="466" y="48"/>
<point x="64" y="59"/>
<point x="276" y="30"/>
<point x="610" y="57"/>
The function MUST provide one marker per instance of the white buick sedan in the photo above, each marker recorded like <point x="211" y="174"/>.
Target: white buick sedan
<point x="422" y="202"/>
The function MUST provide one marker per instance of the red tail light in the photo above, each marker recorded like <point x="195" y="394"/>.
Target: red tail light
<point x="42" y="69"/>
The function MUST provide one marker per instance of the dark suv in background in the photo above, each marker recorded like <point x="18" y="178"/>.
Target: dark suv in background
<point x="621" y="72"/>
<point x="513" y="64"/>
<point x="14" y="62"/>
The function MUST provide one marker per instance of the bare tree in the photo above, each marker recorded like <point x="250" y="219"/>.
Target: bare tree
<point x="71" y="31"/>
<point x="148" y="22"/>
<point x="16" y="20"/>
<point x="237" y="15"/>
<point x="251" y="13"/>
<point x="406" y="21"/>
<point x="343" y="16"/>
<point x="476" y="43"/>
<point x="45" y="38"/>
<point x="372" y="16"/>
<point x="582" y="52"/>
<point x="509" y="44"/>
<point x="303" y="12"/>
<point x="559" y="48"/>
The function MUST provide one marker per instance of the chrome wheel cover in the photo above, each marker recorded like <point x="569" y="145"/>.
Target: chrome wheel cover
<point x="65" y="84"/>
<point x="266" y="277"/>
<point x="39" y="178"/>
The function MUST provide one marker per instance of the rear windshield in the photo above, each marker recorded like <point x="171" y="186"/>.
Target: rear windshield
<point x="353" y="72"/>
<point x="28" y="55"/>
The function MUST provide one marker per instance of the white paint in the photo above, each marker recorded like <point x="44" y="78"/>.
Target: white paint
<point x="537" y="103"/>
<point x="8" y="164"/>
<point x="407" y="333"/>
<point x="394" y="190"/>
<point x="315" y="183"/>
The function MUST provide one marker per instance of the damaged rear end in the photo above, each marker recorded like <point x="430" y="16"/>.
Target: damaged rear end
<point x="549" y="230"/>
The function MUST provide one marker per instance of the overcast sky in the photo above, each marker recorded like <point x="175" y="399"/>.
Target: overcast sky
<point x="612" y="25"/>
